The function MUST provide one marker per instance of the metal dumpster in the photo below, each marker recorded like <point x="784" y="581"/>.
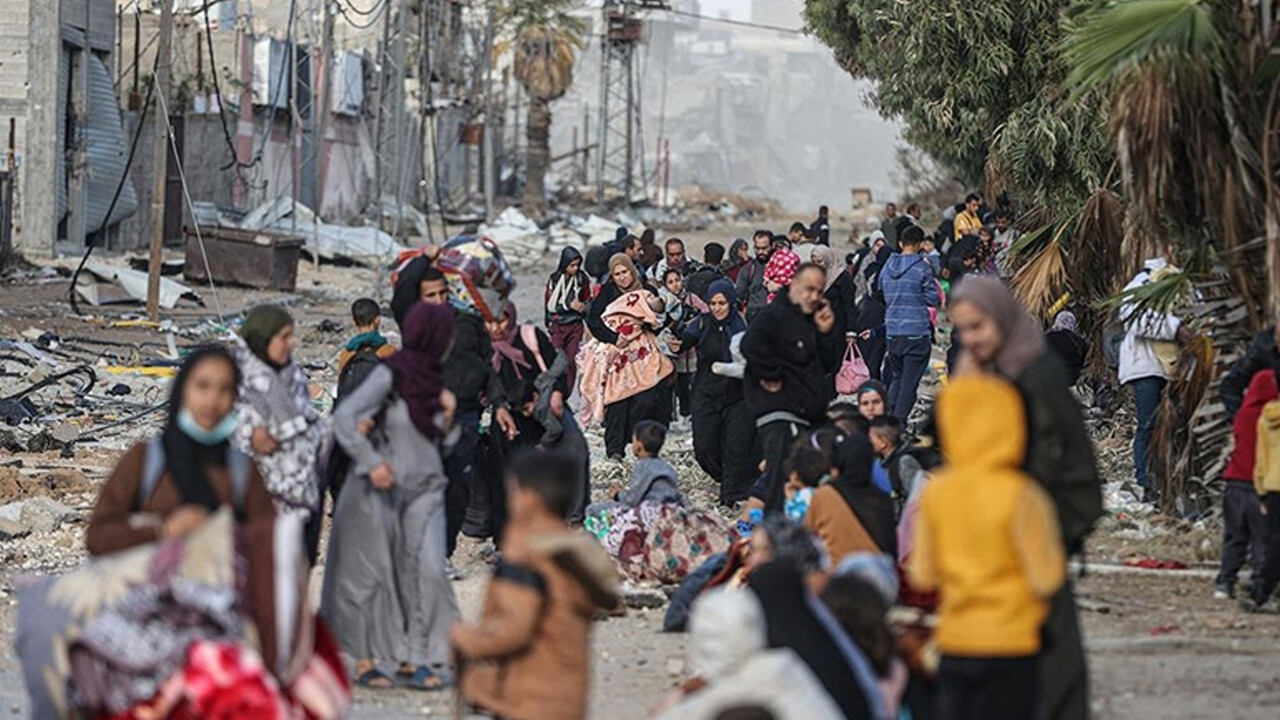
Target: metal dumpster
<point x="253" y="259"/>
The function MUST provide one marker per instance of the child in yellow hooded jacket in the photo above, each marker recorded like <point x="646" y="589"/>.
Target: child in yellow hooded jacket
<point x="987" y="539"/>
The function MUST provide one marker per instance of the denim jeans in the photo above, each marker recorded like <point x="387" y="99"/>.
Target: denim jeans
<point x="1147" y="392"/>
<point x="905" y="367"/>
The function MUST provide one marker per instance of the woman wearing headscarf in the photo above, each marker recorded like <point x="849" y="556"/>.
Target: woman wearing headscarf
<point x="739" y="255"/>
<point x="279" y="426"/>
<point x="625" y="378"/>
<point x="797" y="620"/>
<point x="1000" y="338"/>
<point x="849" y="513"/>
<point x="872" y="399"/>
<point x="723" y="429"/>
<point x="196" y="477"/>
<point x="567" y="296"/>
<point x="386" y="594"/>
<point x="535" y="376"/>
<point x="190" y="559"/>
<point x="870" y="321"/>
<point x="839" y="289"/>
<point x="1066" y="342"/>
<point x="780" y="271"/>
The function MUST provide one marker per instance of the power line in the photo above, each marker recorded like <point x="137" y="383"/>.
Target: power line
<point x="740" y="23"/>
<point x="375" y="10"/>
<point x="373" y="13"/>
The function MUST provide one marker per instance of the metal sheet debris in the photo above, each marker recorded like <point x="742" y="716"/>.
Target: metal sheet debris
<point x="103" y="284"/>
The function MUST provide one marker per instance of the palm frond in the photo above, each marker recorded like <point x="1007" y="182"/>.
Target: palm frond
<point x="1042" y="281"/>
<point x="1159" y="296"/>
<point x="1106" y="42"/>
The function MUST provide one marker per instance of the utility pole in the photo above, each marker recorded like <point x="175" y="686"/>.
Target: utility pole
<point x="160" y="160"/>
<point x="322" y="82"/>
<point x="490" y="166"/>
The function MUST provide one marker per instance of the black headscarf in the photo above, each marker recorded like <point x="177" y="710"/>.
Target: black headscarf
<point x="873" y="508"/>
<point x="186" y="460"/>
<point x="791" y="623"/>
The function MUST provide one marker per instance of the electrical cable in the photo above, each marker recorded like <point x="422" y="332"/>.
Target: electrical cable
<point x="727" y="21"/>
<point x="377" y="8"/>
<point x="124" y="178"/>
<point x="373" y="20"/>
<point x="217" y="89"/>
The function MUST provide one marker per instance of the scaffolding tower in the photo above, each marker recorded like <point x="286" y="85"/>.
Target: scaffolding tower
<point x="620" y="161"/>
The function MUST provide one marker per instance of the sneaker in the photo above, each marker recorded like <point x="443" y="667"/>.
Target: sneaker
<point x="1270" y="607"/>
<point x="1222" y="591"/>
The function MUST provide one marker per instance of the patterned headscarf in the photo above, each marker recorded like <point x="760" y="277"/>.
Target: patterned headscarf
<point x="781" y="268"/>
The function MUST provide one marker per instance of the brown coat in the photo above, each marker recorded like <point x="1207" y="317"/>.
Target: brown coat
<point x="528" y="657"/>
<point x="832" y="520"/>
<point x="118" y="524"/>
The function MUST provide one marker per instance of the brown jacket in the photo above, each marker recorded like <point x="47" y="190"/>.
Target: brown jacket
<point x="528" y="657"/>
<point x="345" y="355"/>
<point x="832" y="520"/>
<point x="113" y="525"/>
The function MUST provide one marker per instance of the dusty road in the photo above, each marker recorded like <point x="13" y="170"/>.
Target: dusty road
<point x="1159" y="646"/>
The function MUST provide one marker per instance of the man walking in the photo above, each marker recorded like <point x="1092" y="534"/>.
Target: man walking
<point x="791" y="350"/>
<point x="750" y="286"/>
<point x="909" y="292"/>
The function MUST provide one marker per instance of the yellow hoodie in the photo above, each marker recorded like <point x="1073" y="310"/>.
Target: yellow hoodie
<point x="987" y="536"/>
<point x="1266" y="468"/>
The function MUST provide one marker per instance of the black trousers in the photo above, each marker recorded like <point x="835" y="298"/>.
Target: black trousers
<point x="1063" y="673"/>
<point x="987" y="688"/>
<point x="621" y="417"/>
<point x="723" y="436"/>
<point x="776" y="439"/>
<point x="1244" y="533"/>
<point x="1270" y="579"/>
<point x="683" y="388"/>
<point x="459" y="465"/>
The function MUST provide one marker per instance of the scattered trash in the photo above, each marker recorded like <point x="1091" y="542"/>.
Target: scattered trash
<point x="1148" y="563"/>
<point x="367" y="244"/>
<point x="329" y="327"/>
<point x="119" y="390"/>
<point x="1164" y="630"/>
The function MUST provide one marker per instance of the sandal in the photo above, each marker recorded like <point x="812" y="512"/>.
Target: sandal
<point x="422" y="679"/>
<point x="374" y="679"/>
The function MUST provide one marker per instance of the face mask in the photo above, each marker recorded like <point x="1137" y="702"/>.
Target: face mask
<point x="798" y="504"/>
<point x="188" y="425"/>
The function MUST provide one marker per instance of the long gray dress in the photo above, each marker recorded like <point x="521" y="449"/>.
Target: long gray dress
<point x="385" y="594"/>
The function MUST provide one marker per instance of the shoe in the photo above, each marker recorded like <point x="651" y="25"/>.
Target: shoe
<point x="1223" y="592"/>
<point x="452" y="572"/>
<point x="1270" y="607"/>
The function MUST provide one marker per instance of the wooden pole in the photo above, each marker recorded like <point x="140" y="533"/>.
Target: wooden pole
<point x="160" y="161"/>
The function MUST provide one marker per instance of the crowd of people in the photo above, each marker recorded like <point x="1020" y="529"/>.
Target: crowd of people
<point x="799" y="375"/>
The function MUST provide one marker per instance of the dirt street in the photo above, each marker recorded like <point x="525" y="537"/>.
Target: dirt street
<point x="1160" y="647"/>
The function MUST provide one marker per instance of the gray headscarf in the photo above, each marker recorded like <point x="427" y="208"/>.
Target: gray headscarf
<point x="1023" y="339"/>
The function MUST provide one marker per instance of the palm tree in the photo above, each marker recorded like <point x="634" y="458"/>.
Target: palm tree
<point x="1192" y="90"/>
<point x="544" y="40"/>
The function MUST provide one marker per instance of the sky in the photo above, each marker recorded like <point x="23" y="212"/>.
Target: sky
<point x="736" y="9"/>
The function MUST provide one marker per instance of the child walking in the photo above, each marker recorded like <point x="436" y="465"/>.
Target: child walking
<point x="987" y="538"/>
<point x="1244" y="527"/>
<point x="368" y="342"/>
<point x="1266" y="481"/>
<point x="528" y="656"/>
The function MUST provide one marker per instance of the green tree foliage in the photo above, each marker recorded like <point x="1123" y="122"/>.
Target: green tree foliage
<point x="978" y="86"/>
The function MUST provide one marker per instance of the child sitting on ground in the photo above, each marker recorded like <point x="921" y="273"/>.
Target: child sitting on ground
<point x="987" y="538"/>
<point x="367" y="317"/>
<point x="528" y="657"/>
<point x="653" y="480"/>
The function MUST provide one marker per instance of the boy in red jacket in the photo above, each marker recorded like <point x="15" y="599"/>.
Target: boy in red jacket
<point x="1244" y="528"/>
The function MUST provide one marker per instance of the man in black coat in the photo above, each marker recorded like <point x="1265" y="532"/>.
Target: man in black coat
<point x="1263" y="354"/>
<point x="792" y="349"/>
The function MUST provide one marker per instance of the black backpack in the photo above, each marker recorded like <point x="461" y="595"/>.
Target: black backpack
<point x="356" y="370"/>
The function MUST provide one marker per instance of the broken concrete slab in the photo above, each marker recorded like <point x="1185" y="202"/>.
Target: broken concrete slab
<point x="44" y="514"/>
<point x="109" y="284"/>
<point x="13" y="529"/>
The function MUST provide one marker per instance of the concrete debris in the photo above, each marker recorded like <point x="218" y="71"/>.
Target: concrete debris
<point x="103" y="284"/>
<point x="521" y="240"/>
<point x="398" y="217"/>
<point x="640" y="597"/>
<point x="13" y="529"/>
<point x="39" y="514"/>
<point x="367" y="245"/>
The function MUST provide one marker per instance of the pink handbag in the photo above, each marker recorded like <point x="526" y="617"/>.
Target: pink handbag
<point x="853" y="371"/>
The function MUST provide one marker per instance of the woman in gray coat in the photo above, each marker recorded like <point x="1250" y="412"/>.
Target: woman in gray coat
<point x="386" y="596"/>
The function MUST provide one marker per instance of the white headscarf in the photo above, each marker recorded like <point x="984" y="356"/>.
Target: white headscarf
<point x="726" y="627"/>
